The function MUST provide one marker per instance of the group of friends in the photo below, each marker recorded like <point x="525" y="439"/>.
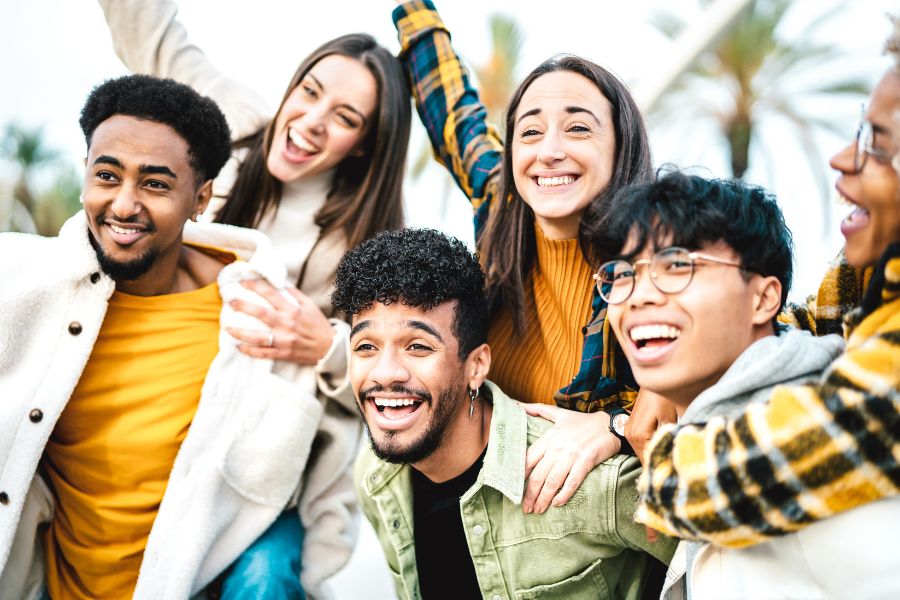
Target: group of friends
<point x="612" y="399"/>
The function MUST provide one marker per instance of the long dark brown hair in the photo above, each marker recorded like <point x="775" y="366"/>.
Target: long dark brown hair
<point x="366" y="196"/>
<point x="507" y="243"/>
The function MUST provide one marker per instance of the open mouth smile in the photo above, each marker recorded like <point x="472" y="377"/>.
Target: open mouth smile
<point x="858" y="217"/>
<point x="555" y="182"/>
<point x="296" y="143"/>
<point x="652" y="341"/>
<point x="125" y="234"/>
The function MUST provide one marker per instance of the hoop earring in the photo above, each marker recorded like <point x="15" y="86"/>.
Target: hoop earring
<point x="472" y="395"/>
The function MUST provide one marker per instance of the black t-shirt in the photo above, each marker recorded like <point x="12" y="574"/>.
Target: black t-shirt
<point x="442" y="556"/>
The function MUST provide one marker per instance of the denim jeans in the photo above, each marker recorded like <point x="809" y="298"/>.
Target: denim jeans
<point x="270" y="568"/>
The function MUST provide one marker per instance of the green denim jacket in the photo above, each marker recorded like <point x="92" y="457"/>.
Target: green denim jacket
<point x="589" y="548"/>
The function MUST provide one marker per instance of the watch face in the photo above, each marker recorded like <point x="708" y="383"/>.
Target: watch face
<point x="618" y="423"/>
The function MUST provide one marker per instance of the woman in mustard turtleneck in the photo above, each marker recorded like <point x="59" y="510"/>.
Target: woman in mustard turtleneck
<point x="574" y="136"/>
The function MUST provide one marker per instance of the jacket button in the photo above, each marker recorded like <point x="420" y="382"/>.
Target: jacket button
<point x="36" y="415"/>
<point x="496" y="597"/>
<point x="396" y="523"/>
<point x="478" y="530"/>
<point x="4" y="498"/>
<point x="95" y="277"/>
<point x="74" y="327"/>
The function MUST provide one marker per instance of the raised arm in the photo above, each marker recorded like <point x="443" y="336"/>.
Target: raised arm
<point x="149" y="39"/>
<point x="809" y="453"/>
<point x="463" y="141"/>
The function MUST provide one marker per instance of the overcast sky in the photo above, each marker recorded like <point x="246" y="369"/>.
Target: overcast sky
<point x="56" y="50"/>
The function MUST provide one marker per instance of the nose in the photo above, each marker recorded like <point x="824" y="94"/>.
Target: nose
<point x="844" y="160"/>
<point x="551" y="150"/>
<point x="645" y="292"/>
<point x="314" y="119"/>
<point x="125" y="204"/>
<point x="388" y="369"/>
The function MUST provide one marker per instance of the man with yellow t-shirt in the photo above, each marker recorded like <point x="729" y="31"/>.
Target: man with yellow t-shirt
<point x="140" y="452"/>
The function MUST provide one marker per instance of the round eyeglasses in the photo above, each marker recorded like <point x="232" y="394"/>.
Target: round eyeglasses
<point x="865" y="137"/>
<point x="671" y="271"/>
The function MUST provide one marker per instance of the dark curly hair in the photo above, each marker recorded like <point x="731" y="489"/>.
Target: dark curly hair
<point x="421" y="268"/>
<point x="690" y="211"/>
<point x="196" y="118"/>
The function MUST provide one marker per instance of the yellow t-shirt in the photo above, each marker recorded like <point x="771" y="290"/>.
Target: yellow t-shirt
<point x="111" y="452"/>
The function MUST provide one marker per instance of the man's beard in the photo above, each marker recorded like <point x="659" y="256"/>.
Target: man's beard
<point x="423" y="447"/>
<point x="124" y="271"/>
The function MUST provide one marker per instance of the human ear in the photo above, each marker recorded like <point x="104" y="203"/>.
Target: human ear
<point x="766" y="300"/>
<point x="204" y="193"/>
<point x="478" y="364"/>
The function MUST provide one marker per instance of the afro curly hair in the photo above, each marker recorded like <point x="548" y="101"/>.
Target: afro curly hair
<point x="421" y="268"/>
<point x="196" y="118"/>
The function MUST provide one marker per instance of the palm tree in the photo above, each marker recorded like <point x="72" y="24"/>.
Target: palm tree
<point x="25" y="209"/>
<point x="752" y="75"/>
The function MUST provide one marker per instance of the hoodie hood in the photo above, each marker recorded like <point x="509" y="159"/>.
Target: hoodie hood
<point x="794" y="357"/>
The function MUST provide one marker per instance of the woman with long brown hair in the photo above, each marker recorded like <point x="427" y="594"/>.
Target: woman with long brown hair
<point x="318" y="175"/>
<point x="574" y="136"/>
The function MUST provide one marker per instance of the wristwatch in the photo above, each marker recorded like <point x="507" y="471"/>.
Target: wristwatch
<point x="617" y="419"/>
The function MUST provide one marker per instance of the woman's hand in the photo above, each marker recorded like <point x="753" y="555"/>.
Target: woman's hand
<point x="556" y="464"/>
<point x="650" y="411"/>
<point x="298" y="332"/>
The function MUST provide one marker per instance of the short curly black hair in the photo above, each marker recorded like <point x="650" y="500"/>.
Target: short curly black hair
<point x="421" y="268"/>
<point x="196" y="118"/>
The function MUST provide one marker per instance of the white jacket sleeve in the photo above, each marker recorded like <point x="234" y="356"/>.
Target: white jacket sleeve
<point x="328" y="505"/>
<point x="149" y="39"/>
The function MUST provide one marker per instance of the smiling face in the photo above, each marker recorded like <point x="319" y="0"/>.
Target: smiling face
<point x="563" y="149"/>
<point x="874" y="222"/>
<point x="324" y="119"/>
<point x="680" y="344"/>
<point x="139" y="190"/>
<point x="409" y="381"/>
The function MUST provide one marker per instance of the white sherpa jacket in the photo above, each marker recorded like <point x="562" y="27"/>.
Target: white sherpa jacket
<point x="261" y="438"/>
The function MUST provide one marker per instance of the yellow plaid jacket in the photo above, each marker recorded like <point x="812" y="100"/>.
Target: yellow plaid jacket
<point x="811" y="452"/>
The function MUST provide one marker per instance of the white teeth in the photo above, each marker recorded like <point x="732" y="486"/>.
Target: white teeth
<point x="122" y="230"/>
<point x="554" y="181"/>
<point x="394" y="402"/>
<point x="652" y="332"/>
<point x="301" y="142"/>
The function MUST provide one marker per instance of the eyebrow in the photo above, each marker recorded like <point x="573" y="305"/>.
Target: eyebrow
<point x="344" y="105"/>
<point x="572" y="110"/>
<point x="143" y="169"/>
<point x="359" y="327"/>
<point x="426" y="328"/>
<point x="420" y="325"/>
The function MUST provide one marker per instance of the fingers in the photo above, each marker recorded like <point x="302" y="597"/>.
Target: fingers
<point x="652" y="535"/>
<point x="550" y="486"/>
<point x="576" y="476"/>
<point x="300" y="297"/>
<point x="534" y="454"/>
<point x="535" y="484"/>
<point x="258" y="311"/>
<point x="551" y="413"/>
<point x="253" y="337"/>
<point x="267" y="291"/>
<point x="264" y="352"/>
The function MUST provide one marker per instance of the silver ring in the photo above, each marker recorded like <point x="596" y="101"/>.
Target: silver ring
<point x="270" y="341"/>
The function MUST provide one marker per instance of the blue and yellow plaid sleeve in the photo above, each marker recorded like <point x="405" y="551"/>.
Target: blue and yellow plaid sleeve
<point x="811" y="452"/>
<point x="456" y="121"/>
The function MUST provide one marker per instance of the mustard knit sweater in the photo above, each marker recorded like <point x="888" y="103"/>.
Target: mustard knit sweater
<point x="546" y="356"/>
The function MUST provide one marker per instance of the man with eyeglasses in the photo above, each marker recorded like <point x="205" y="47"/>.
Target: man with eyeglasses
<point x="702" y="270"/>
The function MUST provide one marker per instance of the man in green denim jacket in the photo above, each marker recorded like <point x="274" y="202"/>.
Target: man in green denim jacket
<point x="418" y="369"/>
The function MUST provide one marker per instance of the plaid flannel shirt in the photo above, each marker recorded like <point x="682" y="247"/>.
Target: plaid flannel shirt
<point x="811" y="452"/>
<point x="472" y="151"/>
